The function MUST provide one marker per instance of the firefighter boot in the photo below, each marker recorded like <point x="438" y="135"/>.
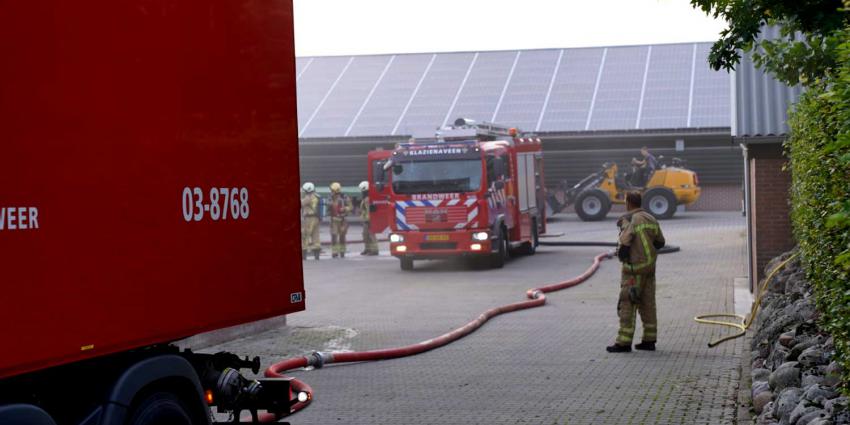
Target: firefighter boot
<point x="646" y="346"/>
<point x="617" y="348"/>
<point x="365" y="252"/>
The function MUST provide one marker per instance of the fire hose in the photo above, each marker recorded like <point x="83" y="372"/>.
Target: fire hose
<point x="536" y="298"/>
<point x="744" y="321"/>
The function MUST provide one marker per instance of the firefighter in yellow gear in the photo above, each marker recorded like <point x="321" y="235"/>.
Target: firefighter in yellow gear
<point x="339" y="207"/>
<point x="369" y="241"/>
<point x="310" y="221"/>
<point x="639" y="242"/>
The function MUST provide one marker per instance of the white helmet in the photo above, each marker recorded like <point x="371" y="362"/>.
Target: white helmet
<point x="364" y="186"/>
<point x="309" y="187"/>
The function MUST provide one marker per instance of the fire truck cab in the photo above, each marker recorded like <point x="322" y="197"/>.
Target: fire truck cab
<point x="475" y="190"/>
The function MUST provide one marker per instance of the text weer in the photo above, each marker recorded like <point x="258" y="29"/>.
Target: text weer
<point x="18" y="218"/>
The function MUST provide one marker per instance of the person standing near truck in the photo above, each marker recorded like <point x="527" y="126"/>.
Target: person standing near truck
<point x="640" y="239"/>
<point x="369" y="241"/>
<point x="310" y="221"/>
<point x="339" y="206"/>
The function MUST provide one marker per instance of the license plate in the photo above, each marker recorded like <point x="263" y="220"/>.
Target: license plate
<point x="436" y="237"/>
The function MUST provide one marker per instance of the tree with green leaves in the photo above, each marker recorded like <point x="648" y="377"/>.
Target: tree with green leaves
<point x="804" y="52"/>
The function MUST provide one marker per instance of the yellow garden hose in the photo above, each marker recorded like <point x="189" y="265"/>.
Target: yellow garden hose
<point x="745" y="321"/>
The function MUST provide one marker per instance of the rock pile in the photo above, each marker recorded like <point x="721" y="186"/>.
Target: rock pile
<point x="795" y="381"/>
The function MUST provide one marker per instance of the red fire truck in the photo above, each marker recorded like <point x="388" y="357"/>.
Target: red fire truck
<point x="475" y="190"/>
<point x="148" y="183"/>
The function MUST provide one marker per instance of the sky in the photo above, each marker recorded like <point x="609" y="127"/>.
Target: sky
<point x="352" y="27"/>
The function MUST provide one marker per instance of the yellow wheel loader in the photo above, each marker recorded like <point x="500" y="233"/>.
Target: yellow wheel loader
<point x="666" y="188"/>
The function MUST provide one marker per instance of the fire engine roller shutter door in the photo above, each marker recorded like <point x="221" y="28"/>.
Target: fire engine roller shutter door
<point x="521" y="183"/>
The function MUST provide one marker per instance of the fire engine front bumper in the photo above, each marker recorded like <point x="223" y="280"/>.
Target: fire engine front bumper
<point x="424" y="245"/>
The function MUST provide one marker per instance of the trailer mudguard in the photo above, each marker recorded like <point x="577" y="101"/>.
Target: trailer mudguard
<point x="24" y="414"/>
<point x="143" y="374"/>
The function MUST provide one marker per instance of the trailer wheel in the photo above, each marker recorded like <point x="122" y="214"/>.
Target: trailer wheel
<point x="160" y="408"/>
<point x="660" y="202"/>
<point x="406" y="263"/>
<point x="498" y="258"/>
<point x="593" y="205"/>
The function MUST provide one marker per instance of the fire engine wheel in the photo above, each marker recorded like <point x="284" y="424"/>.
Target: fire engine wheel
<point x="530" y="247"/>
<point x="661" y="203"/>
<point x="406" y="263"/>
<point x="593" y="205"/>
<point x="498" y="258"/>
<point x="160" y="408"/>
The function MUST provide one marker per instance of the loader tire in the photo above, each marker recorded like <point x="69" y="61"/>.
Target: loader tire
<point x="593" y="205"/>
<point x="660" y="202"/>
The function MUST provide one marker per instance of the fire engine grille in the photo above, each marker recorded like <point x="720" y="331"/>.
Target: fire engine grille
<point x="438" y="245"/>
<point x="427" y="215"/>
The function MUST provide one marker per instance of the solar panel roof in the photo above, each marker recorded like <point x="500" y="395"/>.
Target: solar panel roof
<point x="650" y="87"/>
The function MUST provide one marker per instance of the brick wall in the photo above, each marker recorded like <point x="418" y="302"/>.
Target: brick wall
<point x="770" y="211"/>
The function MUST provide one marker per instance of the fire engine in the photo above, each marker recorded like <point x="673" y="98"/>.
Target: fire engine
<point x="475" y="190"/>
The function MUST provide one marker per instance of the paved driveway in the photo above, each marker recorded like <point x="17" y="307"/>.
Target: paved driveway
<point x="540" y="366"/>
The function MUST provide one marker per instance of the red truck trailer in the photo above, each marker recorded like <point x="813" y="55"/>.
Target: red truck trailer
<point x="148" y="181"/>
<point x="475" y="190"/>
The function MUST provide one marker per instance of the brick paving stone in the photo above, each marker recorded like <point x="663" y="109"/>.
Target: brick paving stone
<point x="541" y="366"/>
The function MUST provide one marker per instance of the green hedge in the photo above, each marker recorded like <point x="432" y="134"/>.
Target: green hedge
<point x="819" y="153"/>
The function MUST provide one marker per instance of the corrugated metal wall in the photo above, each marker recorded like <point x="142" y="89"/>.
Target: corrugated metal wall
<point x="715" y="160"/>
<point x="760" y="103"/>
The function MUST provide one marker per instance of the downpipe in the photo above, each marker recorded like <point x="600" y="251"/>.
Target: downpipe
<point x="535" y="297"/>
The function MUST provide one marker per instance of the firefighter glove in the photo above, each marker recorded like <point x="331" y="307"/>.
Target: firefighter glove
<point x="658" y="244"/>
<point x="634" y="294"/>
<point x="623" y="253"/>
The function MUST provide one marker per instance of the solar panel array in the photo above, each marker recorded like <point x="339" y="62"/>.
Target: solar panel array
<point x="553" y="90"/>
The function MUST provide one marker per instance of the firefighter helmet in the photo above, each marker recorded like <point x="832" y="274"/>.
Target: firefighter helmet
<point x="364" y="186"/>
<point x="336" y="187"/>
<point x="308" y="187"/>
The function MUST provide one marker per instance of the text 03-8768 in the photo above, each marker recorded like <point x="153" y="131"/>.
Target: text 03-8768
<point x="218" y="203"/>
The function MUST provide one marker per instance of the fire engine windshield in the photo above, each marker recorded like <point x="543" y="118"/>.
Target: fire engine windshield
<point x="459" y="175"/>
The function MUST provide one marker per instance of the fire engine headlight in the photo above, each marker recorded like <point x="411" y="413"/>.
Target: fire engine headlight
<point x="303" y="396"/>
<point x="395" y="238"/>
<point x="480" y="236"/>
<point x="475" y="247"/>
<point x="401" y="248"/>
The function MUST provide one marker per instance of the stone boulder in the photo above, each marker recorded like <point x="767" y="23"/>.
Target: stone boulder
<point x="786" y="375"/>
<point x="786" y="402"/>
